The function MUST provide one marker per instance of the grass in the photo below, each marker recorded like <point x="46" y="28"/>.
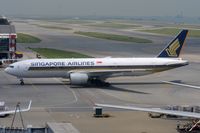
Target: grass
<point x="54" y="27"/>
<point x="114" y="37"/>
<point x="55" y="53"/>
<point x="71" y="21"/>
<point x="173" y="31"/>
<point x="115" y="25"/>
<point x="76" y="21"/>
<point x="25" y="38"/>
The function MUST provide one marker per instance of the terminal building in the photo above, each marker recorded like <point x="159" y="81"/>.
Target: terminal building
<point x="8" y="38"/>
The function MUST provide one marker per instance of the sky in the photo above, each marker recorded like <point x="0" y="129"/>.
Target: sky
<point x="188" y="8"/>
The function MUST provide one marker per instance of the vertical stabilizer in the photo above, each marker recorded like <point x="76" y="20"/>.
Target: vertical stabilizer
<point x="173" y="49"/>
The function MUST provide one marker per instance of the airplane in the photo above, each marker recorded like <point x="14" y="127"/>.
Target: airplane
<point x="86" y="71"/>
<point x="7" y="112"/>
<point x="157" y="110"/>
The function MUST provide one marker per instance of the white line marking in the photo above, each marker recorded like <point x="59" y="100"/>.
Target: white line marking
<point x="112" y="95"/>
<point x="180" y="84"/>
<point x="73" y="92"/>
<point x="69" y="107"/>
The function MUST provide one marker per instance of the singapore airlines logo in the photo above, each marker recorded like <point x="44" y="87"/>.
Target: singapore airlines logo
<point x="171" y="51"/>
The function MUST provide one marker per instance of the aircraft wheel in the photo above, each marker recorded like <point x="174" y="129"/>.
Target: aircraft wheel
<point x="107" y="84"/>
<point x="100" y="83"/>
<point x="21" y="82"/>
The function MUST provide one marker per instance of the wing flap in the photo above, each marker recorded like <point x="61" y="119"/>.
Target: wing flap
<point x="111" y="72"/>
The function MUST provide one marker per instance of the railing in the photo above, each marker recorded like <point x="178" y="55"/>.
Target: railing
<point x="21" y="130"/>
<point x="6" y="62"/>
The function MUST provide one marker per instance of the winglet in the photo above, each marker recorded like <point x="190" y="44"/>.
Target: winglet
<point x="14" y="111"/>
<point x="173" y="49"/>
<point x="28" y="108"/>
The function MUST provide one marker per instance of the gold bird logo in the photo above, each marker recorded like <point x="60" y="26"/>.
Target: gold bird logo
<point x="171" y="51"/>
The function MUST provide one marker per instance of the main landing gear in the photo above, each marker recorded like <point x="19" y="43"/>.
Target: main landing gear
<point x="21" y="82"/>
<point x="99" y="83"/>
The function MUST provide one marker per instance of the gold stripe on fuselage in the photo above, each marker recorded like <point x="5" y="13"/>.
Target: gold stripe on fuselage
<point x="105" y="68"/>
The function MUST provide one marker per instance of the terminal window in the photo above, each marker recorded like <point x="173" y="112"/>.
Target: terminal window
<point x="4" y="44"/>
<point x="4" y="41"/>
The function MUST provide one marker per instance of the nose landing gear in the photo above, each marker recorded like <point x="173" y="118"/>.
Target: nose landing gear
<point x="21" y="82"/>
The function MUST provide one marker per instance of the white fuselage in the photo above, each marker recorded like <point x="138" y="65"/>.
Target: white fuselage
<point x="43" y="68"/>
<point x="95" y="70"/>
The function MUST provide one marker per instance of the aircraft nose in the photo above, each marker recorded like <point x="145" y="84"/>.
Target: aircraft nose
<point x="7" y="70"/>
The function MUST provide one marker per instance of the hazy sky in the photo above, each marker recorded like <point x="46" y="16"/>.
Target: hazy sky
<point x="101" y="7"/>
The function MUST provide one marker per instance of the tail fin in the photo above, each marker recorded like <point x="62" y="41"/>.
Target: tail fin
<point x="173" y="49"/>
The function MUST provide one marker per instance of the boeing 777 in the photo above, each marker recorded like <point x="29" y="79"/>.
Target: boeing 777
<point x="96" y="70"/>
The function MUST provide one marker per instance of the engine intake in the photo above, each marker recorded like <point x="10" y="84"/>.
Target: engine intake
<point x="78" y="78"/>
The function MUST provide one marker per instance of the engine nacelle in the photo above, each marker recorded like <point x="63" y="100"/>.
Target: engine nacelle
<point x="78" y="78"/>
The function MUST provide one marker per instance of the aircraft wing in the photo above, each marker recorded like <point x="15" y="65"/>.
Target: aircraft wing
<point x="13" y="111"/>
<point x="154" y="110"/>
<point x="110" y="72"/>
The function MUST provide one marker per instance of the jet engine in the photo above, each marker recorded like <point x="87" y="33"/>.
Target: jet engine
<point x="78" y="78"/>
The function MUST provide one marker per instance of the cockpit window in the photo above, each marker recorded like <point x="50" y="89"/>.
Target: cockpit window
<point x="11" y="66"/>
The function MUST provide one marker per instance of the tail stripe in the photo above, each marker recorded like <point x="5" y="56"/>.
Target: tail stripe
<point x="171" y="51"/>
